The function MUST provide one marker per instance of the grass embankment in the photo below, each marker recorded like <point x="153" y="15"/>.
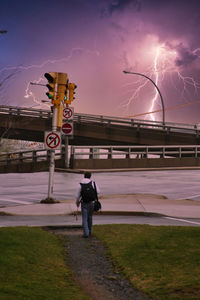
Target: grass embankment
<point x="164" y="262"/>
<point x="33" y="266"/>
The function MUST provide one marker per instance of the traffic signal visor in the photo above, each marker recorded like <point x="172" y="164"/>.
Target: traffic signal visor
<point x="52" y="80"/>
<point x="71" y="87"/>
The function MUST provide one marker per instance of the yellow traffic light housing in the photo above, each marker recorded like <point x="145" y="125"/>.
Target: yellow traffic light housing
<point x="71" y="87"/>
<point x="61" y="88"/>
<point x="60" y="115"/>
<point x="66" y="90"/>
<point x="52" y="80"/>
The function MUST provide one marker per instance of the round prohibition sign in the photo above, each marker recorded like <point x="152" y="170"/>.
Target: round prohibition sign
<point x="52" y="140"/>
<point x="67" y="113"/>
<point x="67" y="128"/>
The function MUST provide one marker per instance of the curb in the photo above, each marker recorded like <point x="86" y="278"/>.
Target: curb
<point x="82" y="171"/>
<point x="126" y="213"/>
<point x="100" y="213"/>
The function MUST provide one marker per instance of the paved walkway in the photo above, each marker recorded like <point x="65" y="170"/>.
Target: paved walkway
<point x="145" y="203"/>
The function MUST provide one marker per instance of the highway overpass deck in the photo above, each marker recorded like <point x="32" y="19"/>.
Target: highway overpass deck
<point x="30" y="124"/>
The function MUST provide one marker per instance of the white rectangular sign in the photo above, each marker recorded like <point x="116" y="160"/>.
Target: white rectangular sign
<point x="52" y="140"/>
<point x="68" y="114"/>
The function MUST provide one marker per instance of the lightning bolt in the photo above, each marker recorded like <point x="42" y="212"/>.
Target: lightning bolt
<point x="28" y="90"/>
<point x="154" y="99"/>
<point x="163" y="65"/>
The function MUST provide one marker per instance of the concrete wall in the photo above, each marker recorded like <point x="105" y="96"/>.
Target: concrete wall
<point x="29" y="167"/>
<point x="134" y="163"/>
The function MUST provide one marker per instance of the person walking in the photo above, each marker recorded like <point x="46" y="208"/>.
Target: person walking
<point x="87" y="193"/>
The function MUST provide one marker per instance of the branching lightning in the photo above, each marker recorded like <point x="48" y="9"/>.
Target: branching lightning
<point x="29" y="90"/>
<point x="163" y="65"/>
<point x="155" y="68"/>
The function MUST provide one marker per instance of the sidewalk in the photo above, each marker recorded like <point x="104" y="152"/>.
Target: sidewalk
<point x="114" y="204"/>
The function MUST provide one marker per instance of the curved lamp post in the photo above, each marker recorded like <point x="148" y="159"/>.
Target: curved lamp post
<point x="161" y="98"/>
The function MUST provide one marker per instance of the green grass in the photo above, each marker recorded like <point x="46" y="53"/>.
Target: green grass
<point x="162" y="261"/>
<point x="33" y="266"/>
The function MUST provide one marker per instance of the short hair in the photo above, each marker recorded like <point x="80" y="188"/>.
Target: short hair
<point x="87" y="175"/>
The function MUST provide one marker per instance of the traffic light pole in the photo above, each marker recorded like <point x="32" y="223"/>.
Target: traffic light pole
<point x="58" y="87"/>
<point x="52" y="158"/>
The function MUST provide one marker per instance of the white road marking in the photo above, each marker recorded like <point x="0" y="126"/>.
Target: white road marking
<point x="15" y="201"/>
<point x="182" y="220"/>
<point x="189" y="197"/>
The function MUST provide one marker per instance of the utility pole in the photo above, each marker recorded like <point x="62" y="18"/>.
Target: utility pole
<point x="56" y="85"/>
<point x="61" y="93"/>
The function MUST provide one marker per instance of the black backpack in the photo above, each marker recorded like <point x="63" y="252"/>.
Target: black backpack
<point x="88" y="193"/>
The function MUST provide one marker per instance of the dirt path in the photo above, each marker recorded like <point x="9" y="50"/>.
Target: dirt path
<point x="94" y="271"/>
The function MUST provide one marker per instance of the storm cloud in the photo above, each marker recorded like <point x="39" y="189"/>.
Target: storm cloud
<point x="94" y="41"/>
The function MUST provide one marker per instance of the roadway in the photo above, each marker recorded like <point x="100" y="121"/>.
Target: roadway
<point x="172" y="196"/>
<point x="28" y="188"/>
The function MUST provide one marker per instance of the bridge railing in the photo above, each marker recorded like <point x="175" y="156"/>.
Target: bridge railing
<point x="106" y="120"/>
<point x="134" y="152"/>
<point x="99" y="152"/>
<point x="28" y="156"/>
<point x="90" y="155"/>
<point x="135" y="123"/>
<point x="23" y="111"/>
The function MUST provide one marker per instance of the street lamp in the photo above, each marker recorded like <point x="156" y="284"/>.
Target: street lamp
<point x="161" y="98"/>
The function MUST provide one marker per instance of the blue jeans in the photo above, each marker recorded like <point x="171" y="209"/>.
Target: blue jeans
<point x="87" y="212"/>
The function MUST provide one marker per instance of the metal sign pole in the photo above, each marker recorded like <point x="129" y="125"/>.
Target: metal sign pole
<point x="52" y="156"/>
<point x="67" y="129"/>
<point x="66" y="152"/>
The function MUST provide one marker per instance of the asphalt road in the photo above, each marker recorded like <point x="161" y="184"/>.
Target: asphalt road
<point x="26" y="188"/>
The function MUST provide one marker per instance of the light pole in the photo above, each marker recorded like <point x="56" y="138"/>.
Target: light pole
<point x="161" y="98"/>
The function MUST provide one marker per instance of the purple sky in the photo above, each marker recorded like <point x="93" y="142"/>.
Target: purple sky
<point x="94" y="41"/>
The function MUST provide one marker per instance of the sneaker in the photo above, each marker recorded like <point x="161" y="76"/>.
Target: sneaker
<point x="85" y="236"/>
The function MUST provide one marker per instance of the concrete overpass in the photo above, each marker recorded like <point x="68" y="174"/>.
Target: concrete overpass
<point x="30" y="124"/>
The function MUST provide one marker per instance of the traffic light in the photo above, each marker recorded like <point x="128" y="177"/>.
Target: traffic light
<point x="52" y="80"/>
<point x="71" y="87"/>
<point x="62" y="86"/>
<point x="66" y="90"/>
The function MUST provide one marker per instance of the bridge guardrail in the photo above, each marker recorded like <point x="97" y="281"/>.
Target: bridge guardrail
<point x="98" y="152"/>
<point x="104" y="157"/>
<point x="107" y="120"/>
<point x="28" y="156"/>
<point x="30" y="112"/>
<point x="134" y="152"/>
